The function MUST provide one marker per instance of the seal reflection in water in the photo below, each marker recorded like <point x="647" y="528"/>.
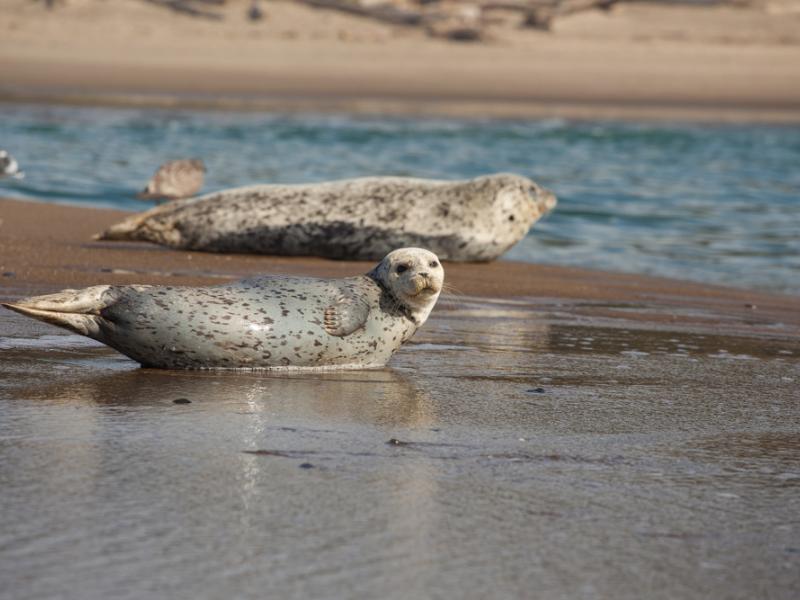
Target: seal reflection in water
<point x="260" y="323"/>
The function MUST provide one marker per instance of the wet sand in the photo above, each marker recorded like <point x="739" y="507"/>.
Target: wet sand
<point x="549" y="433"/>
<point x="45" y="247"/>
<point x="636" y="61"/>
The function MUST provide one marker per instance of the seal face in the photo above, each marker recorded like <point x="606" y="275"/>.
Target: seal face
<point x="360" y="219"/>
<point x="260" y="323"/>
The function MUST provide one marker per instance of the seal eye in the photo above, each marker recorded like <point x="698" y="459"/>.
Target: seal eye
<point x="434" y="264"/>
<point x="402" y="268"/>
<point x="510" y="217"/>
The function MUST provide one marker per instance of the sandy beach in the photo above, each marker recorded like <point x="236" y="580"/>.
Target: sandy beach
<point x="46" y="247"/>
<point x="550" y="432"/>
<point x="639" y="61"/>
<point x="614" y="433"/>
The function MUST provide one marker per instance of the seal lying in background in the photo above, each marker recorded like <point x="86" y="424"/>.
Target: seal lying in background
<point x="474" y="220"/>
<point x="260" y="323"/>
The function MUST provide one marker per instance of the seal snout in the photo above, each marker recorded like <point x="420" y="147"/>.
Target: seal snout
<point x="548" y="200"/>
<point x="427" y="283"/>
<point x="543" y="200"/>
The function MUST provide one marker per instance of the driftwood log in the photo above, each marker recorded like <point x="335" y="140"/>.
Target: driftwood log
<point x="193" y="8"/>
<point x="542" y="16"/>
<point x="385" y="12"/>
<point x="460" y="21"/>
<point x="456" y="20"/>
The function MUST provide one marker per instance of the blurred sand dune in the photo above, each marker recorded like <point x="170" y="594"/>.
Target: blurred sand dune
<point x="638" y="59"/>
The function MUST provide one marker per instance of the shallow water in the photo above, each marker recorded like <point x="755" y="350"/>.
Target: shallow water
<point x="511" y="450"/>
<point x="711" y="203"/>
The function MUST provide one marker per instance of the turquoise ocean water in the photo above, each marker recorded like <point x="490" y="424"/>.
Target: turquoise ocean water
<point x="712" y="203"/>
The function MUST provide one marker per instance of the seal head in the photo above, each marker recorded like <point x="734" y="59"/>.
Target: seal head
<point x="413" y="278"/>
<point x="513" y="205"/>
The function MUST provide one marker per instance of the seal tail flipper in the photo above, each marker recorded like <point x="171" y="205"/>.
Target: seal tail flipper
<point x="130" y="228"/>
<point x="145" y="226"/>
<point x="76" y="310"/>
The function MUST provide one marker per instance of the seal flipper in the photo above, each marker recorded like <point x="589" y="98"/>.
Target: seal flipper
<point x="345" y="315"/>
<point x="75" y="310"/>
<point x="154" y="225"/>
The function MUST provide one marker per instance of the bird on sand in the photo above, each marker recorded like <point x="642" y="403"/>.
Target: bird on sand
<point x="175" y="179"/>
<point x="9" y="167"/>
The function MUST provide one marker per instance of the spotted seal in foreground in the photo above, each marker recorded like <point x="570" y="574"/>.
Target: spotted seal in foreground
<point x="265" y="322"/>
<point x="361" y="219"/>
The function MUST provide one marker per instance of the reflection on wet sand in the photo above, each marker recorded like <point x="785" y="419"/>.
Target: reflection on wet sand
<point x="383" y="397"/>
<point x="124" y="427"/>
<point x="530" y="448"/>
<point x="571" y="339"/>
<point x="771" y="457"/>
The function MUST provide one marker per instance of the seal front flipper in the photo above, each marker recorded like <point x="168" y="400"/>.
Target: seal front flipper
<point x="76" y="310"/>
<point x="345" y="315"/>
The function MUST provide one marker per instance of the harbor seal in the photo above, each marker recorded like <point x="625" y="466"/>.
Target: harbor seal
<point x="175" y="179"/>
<point x="261" y="323"/>
<point x="359" y="219"/>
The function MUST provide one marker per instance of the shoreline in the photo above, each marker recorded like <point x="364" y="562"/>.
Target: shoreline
<point x="114" y="213"/>
<point x="45" y="247"/>
<point x="418" y="107"/>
